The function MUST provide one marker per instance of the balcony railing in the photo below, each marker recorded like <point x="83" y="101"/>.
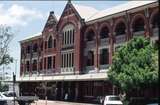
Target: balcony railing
<point x="120" y="38"/>
<point x="155" y="32"/>
<point x="138" y="33"/>
<point x="90" y="44"/>
<point x="104" y="42"/>
<point x="89" y="69"/>
<point x="67" y="70"/>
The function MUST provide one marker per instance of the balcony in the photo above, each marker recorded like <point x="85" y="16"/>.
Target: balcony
<point x="35" y="55"/>
<point x="67" y="70"/>
<point x="90" y="44"/>
<point x="120" y="38"/>
<point x="89" y="69"/>
<point x="104" y="68"/>
<point x="155" y="34"/>
<point x="104" y="42"/>
<point x="138" y="33"/>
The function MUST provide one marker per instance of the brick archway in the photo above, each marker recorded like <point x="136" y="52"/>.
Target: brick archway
<point x="106" y="25"/>
<point x="119" y="21"/>
<point x="66" y="23"/>
<point x="153" y="15"/>
<point x="90" y="28"/>
<point x="135" y="17"/>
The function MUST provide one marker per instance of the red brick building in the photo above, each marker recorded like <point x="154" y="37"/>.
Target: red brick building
<point x="73" y="54"/>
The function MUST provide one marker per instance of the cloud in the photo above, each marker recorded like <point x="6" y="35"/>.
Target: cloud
<point x="18" y="15"/>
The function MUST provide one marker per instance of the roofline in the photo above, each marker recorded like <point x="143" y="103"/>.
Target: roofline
<point x="32" y="38"/>
<point x="100" y="18"/>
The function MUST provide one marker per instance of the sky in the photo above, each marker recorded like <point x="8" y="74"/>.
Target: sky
<point x="29" y="17"/>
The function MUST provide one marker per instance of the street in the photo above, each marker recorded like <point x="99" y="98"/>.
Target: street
<point x="43" y="102"/>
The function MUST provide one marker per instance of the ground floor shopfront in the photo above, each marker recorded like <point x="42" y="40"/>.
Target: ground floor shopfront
<point x="86" y="91"/>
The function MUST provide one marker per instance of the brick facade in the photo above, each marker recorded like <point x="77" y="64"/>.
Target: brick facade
<point x="88" y="50"/>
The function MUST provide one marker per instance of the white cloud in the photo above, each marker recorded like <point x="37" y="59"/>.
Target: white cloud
<point x="18" y="15"/>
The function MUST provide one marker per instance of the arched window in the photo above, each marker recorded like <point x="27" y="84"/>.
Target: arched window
<point x="34" y="66"/>
<point x="104" y="33"/>
<point x="35" y="47"/>
<point x="120" y="28"/>
<point x="90" y="60"/>
<point x="28" y="66"/>
<point x="28" y="49"/>
<point x="50" y="42"/>
<point x="90" y="35"/>
<point x="42" y="46"/>
<point x="138" y="25"/>
<point x="68" y="35"/>
<point x="54" y="43"/>
<point x="155" y="20"/>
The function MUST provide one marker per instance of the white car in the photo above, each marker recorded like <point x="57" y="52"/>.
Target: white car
<point x="153" y="104"/>
<point x="112" y="100"/>
<point x="8" y="99"/>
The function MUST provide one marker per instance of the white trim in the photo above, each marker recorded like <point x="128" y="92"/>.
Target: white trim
<point x="84" y="77"/>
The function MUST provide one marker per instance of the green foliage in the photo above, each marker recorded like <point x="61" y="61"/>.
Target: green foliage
<point x="3" y="87"/>
<point x="135" y="65"/>
<point x="6" y="36"/>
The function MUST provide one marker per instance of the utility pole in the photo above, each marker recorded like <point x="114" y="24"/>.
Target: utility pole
<point x="14" y="81"/>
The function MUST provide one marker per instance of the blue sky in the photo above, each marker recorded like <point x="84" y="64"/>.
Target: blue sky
<point x="29" y="17"/>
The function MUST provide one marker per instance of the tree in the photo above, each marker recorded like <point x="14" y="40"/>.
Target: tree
<point x="6" y="35"/>
<point x="135" y="65"/>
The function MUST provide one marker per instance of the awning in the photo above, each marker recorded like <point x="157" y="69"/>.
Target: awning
<point x="81" y="77"/>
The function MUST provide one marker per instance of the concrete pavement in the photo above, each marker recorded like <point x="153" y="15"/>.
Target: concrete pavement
<point x="43" y="102"/>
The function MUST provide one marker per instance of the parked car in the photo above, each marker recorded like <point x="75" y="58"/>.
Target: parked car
<point x="7" y="98"/>
<point x="153" y="104"/>
<point x="112" y="100"/>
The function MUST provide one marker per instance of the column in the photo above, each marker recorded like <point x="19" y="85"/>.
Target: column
<point x="76" y="91"/>
<point x="62" y="84"/>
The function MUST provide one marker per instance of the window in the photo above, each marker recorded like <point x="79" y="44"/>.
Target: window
<point x="120" y="29"/>
<point x="50" y="42"/>
<point x="28" y="49"/>
<point x="49" y="62"/>
<point x="42" y="46"/>
<point x="27" y="64"/>
<point x="40" y="64"/>
<point x="138" y="25"/>
<point x="68" y="35"/>
<point x="54" y="63"/>
<point x="54" y="43"/>
<point x="104" y="33"/>
<point x="35" y="47"/>
<point x="34" y="66"/>
<point x="104" y="56"/>
<point x="45" y="44"/>
<point x="155" y="21"/>
<point x="90" y="35"/>
<point x="45" y="60"/>
<point x="90" y="59"/>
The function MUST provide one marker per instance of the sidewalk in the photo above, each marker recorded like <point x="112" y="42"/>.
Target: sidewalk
<point x="43" y="102"/>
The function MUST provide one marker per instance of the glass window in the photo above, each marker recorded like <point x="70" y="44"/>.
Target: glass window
<point x="50" y="42"/>
<point x="49" y="62"/>
<point x="104" y="33"/>
<point x="90" y="35"/>
<point x="138" y="25"/>
<point x="120" y="28"/>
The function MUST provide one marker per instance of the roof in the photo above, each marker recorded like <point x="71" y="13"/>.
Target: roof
<point x="89" y="13"/>
<point x="32" y="37"/>
<point x="84" y="11"/>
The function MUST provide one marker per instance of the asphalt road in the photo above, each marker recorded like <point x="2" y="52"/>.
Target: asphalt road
<point x="43" y="102"/>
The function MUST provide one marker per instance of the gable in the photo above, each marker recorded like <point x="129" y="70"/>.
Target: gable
<point x="51" y="21"/>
